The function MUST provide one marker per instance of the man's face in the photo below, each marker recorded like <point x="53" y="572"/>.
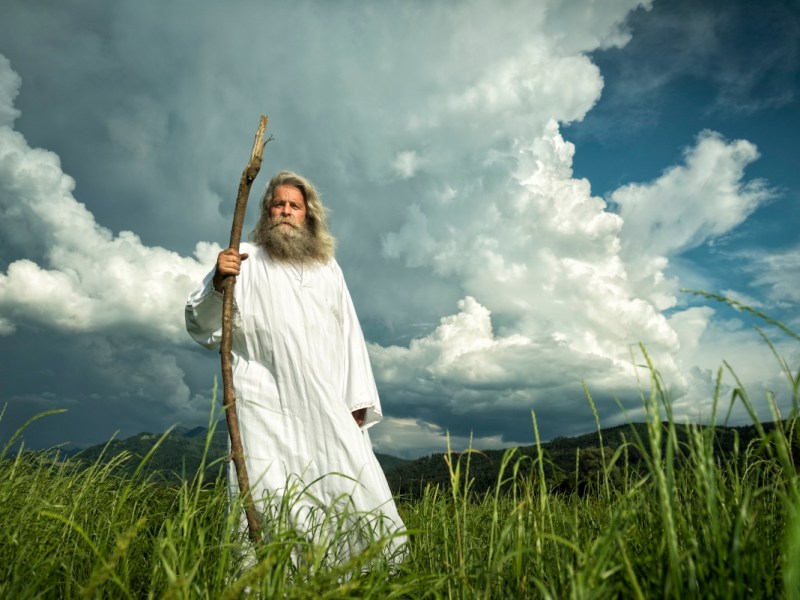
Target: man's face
<point x="288" y="205"/>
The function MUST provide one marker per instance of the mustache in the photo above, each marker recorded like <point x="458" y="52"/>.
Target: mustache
<point x="281" y="220"/>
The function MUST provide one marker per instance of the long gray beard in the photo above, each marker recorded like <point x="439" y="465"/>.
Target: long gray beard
<point x="296" y="246"/>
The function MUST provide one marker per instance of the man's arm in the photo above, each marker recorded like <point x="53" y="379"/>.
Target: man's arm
<point x="204" y="306"/>
<point x="359" y="391"/>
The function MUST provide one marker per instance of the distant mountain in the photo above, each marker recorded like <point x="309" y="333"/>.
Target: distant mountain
<point x="391" y="463"/>
<point x="180" y="454"/>
<point x="570" y="463"/>
<point x="201" y="431"/>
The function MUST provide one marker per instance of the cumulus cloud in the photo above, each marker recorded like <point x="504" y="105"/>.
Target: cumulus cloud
<point x="462" y="348"/>
<point x="89" y="279"/>
<point x="691" y="203"/>
<point x="688" y="205"/>
<point x="110" y="307"/>
<point x="561" y="87"/>
<point x="465" y="375"/>
<point x="541" y="251"/>
<point x="576" y="286"/>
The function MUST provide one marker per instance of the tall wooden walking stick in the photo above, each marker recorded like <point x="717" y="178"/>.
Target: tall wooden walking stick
<point x="229" y="398"/>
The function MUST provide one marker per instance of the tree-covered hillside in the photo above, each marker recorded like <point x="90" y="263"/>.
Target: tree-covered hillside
<point x="570" y="463"/>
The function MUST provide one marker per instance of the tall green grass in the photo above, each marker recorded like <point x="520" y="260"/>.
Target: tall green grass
<point x="668" y="516"/>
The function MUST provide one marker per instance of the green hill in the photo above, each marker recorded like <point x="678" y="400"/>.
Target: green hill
<point x="570" y="462"/>
<point x="180" y="453"/>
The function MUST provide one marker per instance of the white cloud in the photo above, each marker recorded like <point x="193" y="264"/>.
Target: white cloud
<point x="777" y="271"/>
<point x="576" y="287"/>
<point x="463" y="348"/>
<point x="583" y="27"/>
<point x="412" y="438"/>
<point x="534" y="84"/>
<point x="690" y="325"/>
<point x="104" y="309"/>
<point x="406" y="164"/>
<point x="466" y="375"/>
<point x="691" y="203"/>
<point x="541" y="252"/>
<point x="706" y="342"/>
<point x="89" y="279"/>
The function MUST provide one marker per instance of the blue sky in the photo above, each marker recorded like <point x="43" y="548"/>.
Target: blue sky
<point x="735" y="72"/>
<point x="520" y="192"/>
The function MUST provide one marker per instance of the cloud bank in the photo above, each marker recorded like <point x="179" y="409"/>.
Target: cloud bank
<point x="489" y="279"/>
<point x="88" y="279"/>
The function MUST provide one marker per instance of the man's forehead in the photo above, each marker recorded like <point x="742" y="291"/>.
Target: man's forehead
<point x="287" y="191"/>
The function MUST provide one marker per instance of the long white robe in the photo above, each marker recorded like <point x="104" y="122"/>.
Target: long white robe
<point x="300" y="367"/>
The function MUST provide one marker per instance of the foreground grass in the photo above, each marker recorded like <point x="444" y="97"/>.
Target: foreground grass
<point x="665" y="518"/>
<point x="694" y="526"/>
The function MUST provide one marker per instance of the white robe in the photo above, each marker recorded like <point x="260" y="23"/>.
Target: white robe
<point x="300" y="367"/>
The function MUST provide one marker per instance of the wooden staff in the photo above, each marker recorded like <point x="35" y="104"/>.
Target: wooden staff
<point x="228" y="283"/>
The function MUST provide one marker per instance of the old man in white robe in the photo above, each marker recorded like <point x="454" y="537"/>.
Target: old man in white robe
<point x="305" y="393"/>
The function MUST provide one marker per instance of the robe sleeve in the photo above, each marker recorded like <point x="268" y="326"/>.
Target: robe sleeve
<point x="360" y="389"/>
<point x="204" y="314"/>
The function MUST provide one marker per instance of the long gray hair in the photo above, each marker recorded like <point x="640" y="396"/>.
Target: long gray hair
<point x="322" y="248"/>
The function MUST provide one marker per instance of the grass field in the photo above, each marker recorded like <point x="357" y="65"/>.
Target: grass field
<point x="681" y="522"/>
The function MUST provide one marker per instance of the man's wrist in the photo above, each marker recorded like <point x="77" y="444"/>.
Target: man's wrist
<point x="217" y="281"/>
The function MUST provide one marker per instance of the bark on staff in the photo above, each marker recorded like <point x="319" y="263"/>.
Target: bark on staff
<point x="229" y="398"/>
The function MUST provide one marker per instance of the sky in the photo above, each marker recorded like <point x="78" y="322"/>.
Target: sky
<point x="522" y="194"/>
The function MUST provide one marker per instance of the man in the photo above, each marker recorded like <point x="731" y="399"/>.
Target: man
<point x="305" y="393"/>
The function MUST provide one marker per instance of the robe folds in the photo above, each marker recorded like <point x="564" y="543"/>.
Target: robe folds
<point x="300" y="367"/>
